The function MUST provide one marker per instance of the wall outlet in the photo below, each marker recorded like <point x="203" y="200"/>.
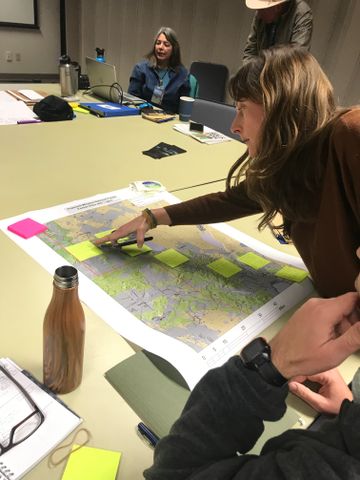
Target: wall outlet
<point x="8" y="56"/>
<point x="18" y="57"/>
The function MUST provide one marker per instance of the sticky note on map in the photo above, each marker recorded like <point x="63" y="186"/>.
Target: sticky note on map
<point x="223" y="266"/>
<point x="171" y="257"/>
<point x="103" y="234"/>
<point x="292" y="273"/>
<point x="134" y="250"/>
<point x="27" y="228"/>
<point x="253" y="260"/>
<point x="92" y="464"/>
<point x="84" y="250"/>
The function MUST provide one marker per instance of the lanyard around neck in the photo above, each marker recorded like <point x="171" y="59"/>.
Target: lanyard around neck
<point x="161" y="77"/>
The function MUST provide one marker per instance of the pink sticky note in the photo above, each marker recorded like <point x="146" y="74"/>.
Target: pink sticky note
<point x="27" y="228"/>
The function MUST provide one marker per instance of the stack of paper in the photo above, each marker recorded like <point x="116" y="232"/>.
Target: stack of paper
<point x="208" y="136"/>
<point x="15" y="112"/>
<point x="58" y="422"/>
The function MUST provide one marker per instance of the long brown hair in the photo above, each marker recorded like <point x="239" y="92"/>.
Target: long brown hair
<point x="299" y="109"/>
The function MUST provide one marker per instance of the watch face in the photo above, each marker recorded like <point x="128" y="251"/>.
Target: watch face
<point x="257" y="351"/>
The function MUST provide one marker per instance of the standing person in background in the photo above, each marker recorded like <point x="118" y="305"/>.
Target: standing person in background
<point x="278" y="22"/>
<point x="161" y="79"/>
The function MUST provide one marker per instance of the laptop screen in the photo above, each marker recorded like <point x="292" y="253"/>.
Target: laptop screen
<point x="101" y="77"/>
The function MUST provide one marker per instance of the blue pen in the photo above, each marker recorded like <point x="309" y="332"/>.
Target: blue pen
<point x="147" y="434"/>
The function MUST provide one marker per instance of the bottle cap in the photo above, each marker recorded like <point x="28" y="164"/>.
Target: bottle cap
<point x="64" y="59"/>
<point x="66" y="277"/>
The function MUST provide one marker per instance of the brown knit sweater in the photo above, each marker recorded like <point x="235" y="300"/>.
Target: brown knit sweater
<point x="326" y="245"/>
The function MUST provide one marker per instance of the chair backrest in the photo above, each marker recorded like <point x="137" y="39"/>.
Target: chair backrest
<point x="212" y="79"/>
<point x="217" y="116"/>
<point x="194" y="86"/>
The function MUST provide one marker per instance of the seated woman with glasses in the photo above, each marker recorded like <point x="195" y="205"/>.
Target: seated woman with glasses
<point x="161" y="79"/>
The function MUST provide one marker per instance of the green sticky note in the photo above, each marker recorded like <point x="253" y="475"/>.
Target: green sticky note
<point x="90" y="463"/>
<point x="171" y="257"/>
<point x="224" y="267"/>
<point x="253" y="260"/>
<point x="84" y="250"/>
<point x="291" y="273"/>
<point x="103" y="234"/>
<point x="133" y="250"/>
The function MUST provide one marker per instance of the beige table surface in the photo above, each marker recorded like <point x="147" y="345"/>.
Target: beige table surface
<point x="248" y="225"/>
<point x="55" y="162"/>
<point x="46" y="164"/>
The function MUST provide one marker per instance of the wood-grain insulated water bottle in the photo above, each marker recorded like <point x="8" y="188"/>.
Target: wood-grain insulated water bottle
<point x="64" y="333"/>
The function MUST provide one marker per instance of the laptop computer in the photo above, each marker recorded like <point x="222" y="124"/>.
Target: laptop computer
<point x="103" y="82"/>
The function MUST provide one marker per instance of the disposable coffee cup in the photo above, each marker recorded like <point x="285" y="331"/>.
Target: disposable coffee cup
<point x="185" y="108"/>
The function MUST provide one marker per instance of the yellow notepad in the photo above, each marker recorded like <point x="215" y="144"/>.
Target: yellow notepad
<point x="90" y="463"/>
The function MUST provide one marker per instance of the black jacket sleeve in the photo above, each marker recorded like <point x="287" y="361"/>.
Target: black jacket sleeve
<point x="224" y="415"/>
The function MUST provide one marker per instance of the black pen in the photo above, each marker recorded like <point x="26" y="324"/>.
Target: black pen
<point x="124" y="243"/>
<point x="148" y="434"/>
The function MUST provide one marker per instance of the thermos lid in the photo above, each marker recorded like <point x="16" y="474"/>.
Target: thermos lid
<point x="64" y="59"/>
<point x="66" y="277"/>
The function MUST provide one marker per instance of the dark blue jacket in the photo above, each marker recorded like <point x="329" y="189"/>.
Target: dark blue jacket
<point x="144" y="79"/>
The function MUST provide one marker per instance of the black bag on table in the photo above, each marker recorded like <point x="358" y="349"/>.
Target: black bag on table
<point x="53" y="109"/>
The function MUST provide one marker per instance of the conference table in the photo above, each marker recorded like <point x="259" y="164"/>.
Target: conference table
<point x="52" y="163"/>
<point x="47" y="164"/>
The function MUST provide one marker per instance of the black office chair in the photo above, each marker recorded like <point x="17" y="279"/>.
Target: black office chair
<point x="217" y="116"/>
<point x="212" y="79"/>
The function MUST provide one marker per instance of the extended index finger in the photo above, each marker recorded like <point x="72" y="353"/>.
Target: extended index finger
<point x="111" y="237"/>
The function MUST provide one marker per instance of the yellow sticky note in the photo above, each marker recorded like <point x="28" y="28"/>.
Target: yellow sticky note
<point x="171" y="257"/>
<point x="133" y="250"/>
<point x="253" y="260"/>
<point x="80" y="110"/>
<point x="84" y="250"/>
<point x="103" y="234"/>
<point x="292" y="273"/>
<point x="224" y="267"/>
<point x="90" y="463"/>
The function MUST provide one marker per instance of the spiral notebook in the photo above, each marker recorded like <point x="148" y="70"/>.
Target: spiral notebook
<point x="58" y="421"/>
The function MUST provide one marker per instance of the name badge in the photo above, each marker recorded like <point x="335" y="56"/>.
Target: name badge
<point x="158" y="94"/>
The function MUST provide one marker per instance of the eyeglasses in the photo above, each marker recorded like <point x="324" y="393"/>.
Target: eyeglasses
<point x="26" y="427"/>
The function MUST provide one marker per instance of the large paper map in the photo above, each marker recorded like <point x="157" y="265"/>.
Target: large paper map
<point x="193" y="284"/>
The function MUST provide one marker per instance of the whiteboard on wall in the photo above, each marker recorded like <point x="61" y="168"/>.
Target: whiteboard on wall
<point x="18" y="13"/>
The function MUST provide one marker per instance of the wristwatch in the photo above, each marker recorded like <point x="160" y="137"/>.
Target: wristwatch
<point x="257" y="356"/>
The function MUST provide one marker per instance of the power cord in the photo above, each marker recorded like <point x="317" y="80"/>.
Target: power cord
<point x="117" y="97"/>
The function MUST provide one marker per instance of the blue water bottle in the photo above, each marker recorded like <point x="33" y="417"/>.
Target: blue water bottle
<point x="100" y="54"/>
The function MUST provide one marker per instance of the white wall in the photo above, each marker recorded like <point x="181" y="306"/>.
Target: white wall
<point x="215" y="31"/>
<point x="39" y="49"/>
<point x="208" y="30"/>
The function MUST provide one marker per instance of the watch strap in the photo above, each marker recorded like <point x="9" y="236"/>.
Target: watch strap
<point x="271" y="374"/>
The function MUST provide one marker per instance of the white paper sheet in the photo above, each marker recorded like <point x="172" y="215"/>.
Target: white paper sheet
<point x="12" y="112"/>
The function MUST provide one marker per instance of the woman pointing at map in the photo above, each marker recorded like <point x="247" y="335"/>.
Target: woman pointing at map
<point x="302" y="161"/>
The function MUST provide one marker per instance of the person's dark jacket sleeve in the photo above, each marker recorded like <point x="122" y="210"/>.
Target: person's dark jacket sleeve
<point x="251" y="49"/>
<point x="302" y="30"/>
<point x="137" y="80"/>
<point x="224" y="415"/>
